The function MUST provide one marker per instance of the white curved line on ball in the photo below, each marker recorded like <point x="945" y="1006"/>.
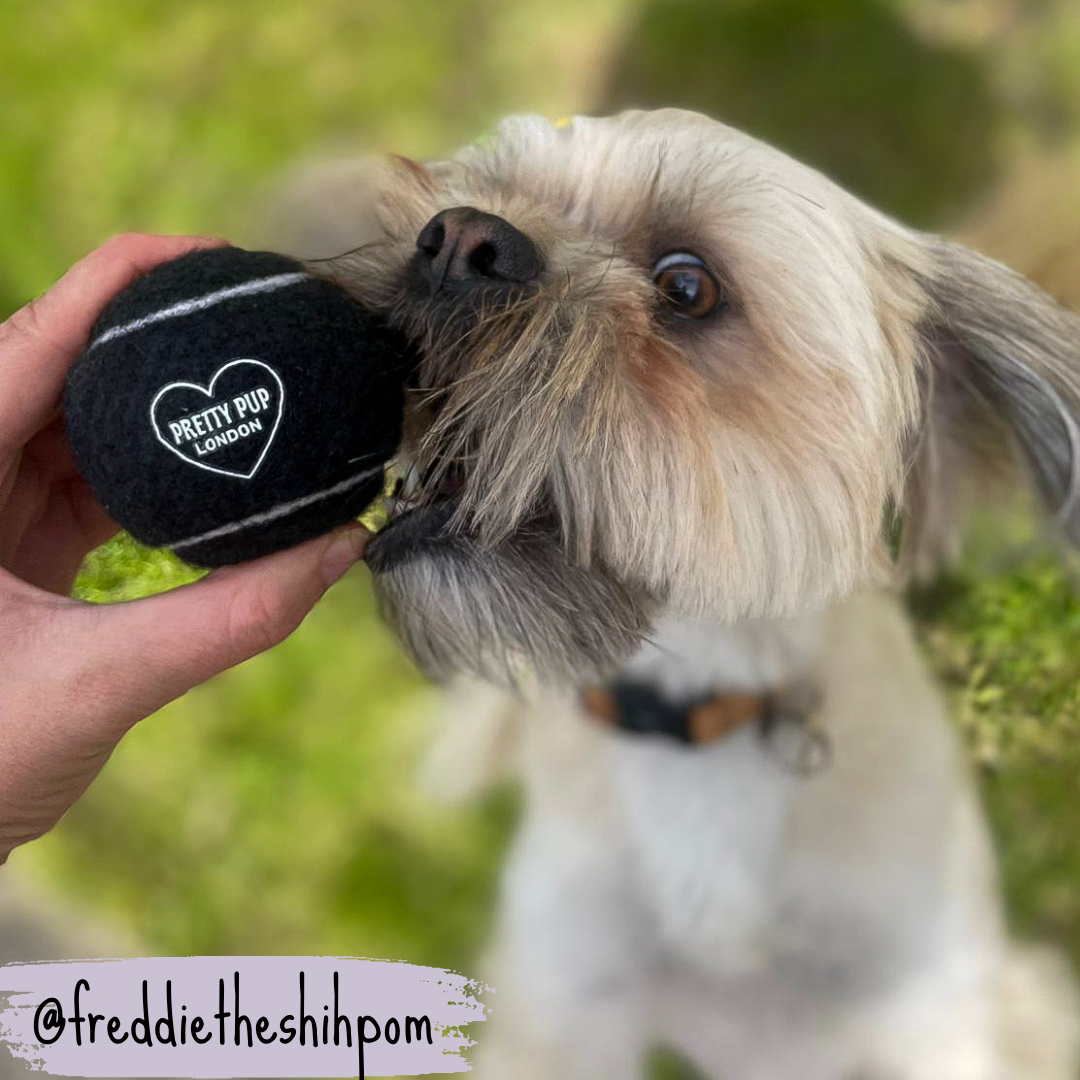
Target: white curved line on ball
<point x="201" y="303"/>
<point x="275" y="512"/>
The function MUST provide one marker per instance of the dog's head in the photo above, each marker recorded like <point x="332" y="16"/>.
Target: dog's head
<point x="665" y="367"/>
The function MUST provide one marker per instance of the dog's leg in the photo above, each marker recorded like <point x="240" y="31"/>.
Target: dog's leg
<point x="570" y="964"/>
<point x="1019" y="1023"/>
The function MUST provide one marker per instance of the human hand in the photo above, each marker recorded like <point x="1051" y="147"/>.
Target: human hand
<point x="75" y="677"/>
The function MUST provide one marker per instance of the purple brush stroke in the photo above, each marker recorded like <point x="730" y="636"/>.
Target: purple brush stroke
<point x="269" y="986"/>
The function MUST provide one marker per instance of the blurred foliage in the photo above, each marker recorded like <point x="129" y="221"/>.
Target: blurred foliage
<point x="1029" y="50"/>
<point x="134" y="114"/>
<point x="1008" y="647"/>
<point x="848" y="87"/>
<point x="667" y="1065"/>
<point x="273" y="810"/>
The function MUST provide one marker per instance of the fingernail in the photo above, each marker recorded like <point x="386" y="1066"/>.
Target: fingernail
<point x="344" y="550"/>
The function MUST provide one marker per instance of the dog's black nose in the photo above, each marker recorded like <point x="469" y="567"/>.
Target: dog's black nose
<point x="464" y="247"/>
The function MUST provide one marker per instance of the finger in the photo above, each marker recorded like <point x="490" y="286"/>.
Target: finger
<point x="95" y="524"/>
<point x="50" y="450"/>
<point x="140" y="655"/>
<point x="40" y="341"/>
<point x="69" y="524"/>
<point x="50" y="517"/>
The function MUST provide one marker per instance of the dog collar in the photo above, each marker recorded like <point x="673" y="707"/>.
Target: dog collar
<point x="639" y="710"/>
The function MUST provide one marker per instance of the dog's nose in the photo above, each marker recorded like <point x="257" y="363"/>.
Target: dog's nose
<point x="464" y="247"/>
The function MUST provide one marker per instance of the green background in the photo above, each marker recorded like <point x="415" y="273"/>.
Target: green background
<point x="274" y="810"/>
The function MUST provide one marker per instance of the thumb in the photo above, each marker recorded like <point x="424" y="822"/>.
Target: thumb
<point x="145" y="653"/>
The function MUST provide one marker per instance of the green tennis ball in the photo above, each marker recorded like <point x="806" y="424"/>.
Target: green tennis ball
<point x="231" y="404"/>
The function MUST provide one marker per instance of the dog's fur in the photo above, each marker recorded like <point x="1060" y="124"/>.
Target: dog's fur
<point x="707" y="506"/>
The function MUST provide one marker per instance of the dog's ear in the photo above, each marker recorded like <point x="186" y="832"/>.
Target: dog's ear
<point x="1000" y="382"/>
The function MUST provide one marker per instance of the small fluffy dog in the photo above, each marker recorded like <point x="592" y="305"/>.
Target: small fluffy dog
<point x="678" y="395"/>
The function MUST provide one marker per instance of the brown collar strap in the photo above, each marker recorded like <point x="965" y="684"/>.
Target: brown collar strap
<point x="635" y="708"/>
<point x="638" y="709"/>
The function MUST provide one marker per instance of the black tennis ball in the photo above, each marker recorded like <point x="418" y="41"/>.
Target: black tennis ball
<point x="231" y="403"/>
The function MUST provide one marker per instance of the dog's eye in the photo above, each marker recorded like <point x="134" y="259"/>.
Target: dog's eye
<point x="686" y="285"/>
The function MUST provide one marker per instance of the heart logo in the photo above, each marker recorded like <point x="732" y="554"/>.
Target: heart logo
<point x="226" y="427"/>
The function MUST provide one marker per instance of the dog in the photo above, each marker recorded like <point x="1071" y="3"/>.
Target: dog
<point x="685" y="413"/>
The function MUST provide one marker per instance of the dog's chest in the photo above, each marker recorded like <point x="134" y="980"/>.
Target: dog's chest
<point x="698" y="827"/>
<point x="729" y="854"/>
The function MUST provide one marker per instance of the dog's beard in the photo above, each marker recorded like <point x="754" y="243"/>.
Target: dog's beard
<point x="500" y="609"/>
<point x="493" y="568"/>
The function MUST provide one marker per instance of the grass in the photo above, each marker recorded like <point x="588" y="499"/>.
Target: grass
<point x="1008" y="647"/>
